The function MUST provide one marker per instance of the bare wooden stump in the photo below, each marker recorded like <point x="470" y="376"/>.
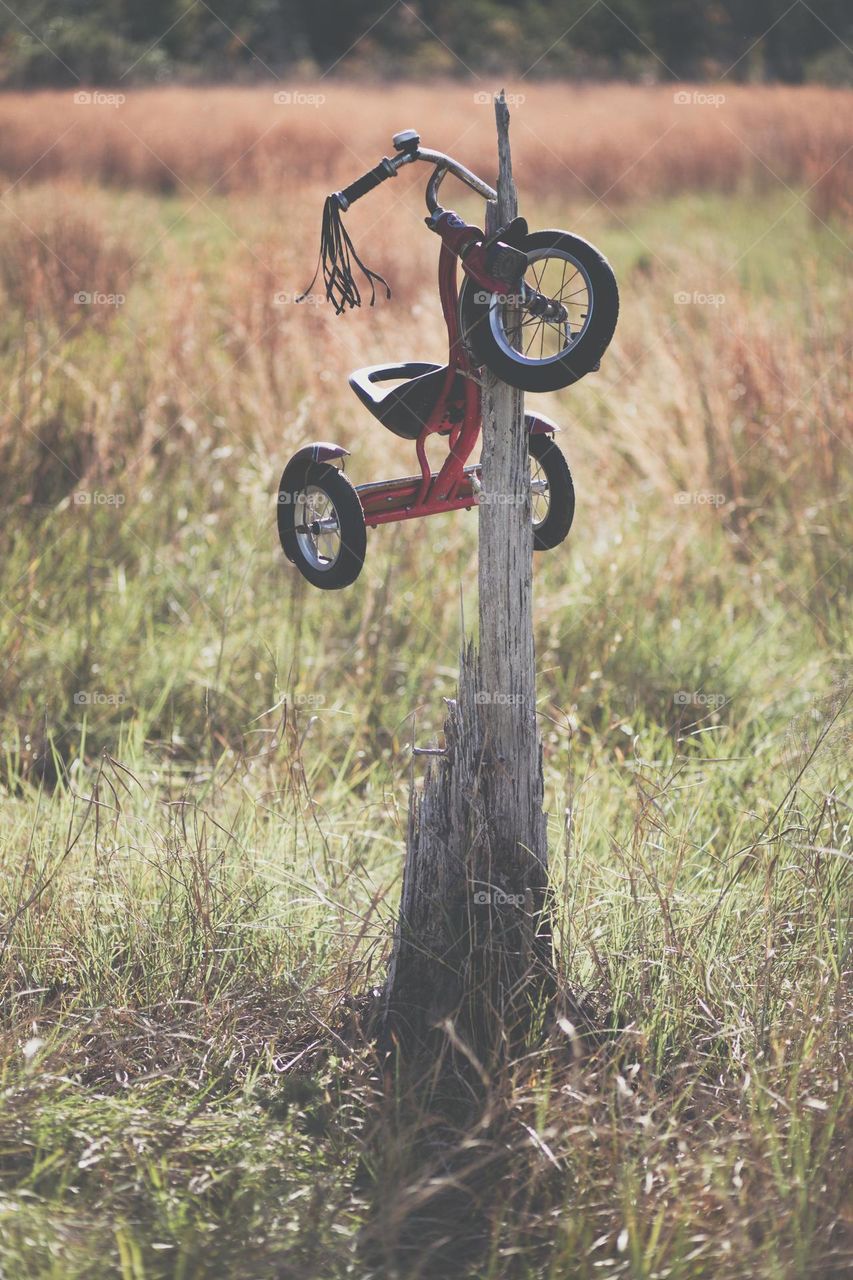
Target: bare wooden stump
<point x="472" y="954"/>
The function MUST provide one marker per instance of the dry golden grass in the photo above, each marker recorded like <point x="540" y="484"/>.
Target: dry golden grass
<point x="56" y="258"/>
<point x="614" y="143"/>
<point x="727" y="399"/>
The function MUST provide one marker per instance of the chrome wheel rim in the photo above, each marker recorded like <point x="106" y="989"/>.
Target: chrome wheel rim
<point x="540" y="493"/>
<point x="556" y="274"/>
<point x="317" y="528"/>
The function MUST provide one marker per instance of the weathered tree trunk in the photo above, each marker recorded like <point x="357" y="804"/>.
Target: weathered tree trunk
<point x="472" y="947"/>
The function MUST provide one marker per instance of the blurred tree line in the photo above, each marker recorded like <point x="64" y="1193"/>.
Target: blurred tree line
<point x="43" y="42"/>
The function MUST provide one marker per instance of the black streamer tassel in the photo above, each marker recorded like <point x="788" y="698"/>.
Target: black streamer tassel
<point x="337" y="254"/>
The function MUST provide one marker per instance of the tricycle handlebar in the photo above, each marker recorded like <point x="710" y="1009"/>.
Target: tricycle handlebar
<point x="407" y="145"/>
<point x="337" y="252"/>
<point x="367" y="182"/>
<point x="444" y="165"/>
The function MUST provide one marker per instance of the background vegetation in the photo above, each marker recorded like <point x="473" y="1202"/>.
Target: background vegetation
<point x="101" y="41"/>
<point x="205" y="762"/>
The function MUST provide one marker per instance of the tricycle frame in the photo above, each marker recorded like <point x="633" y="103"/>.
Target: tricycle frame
<point x="455" y="486"/>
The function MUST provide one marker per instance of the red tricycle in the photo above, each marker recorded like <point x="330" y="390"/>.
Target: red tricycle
<point x="536" y="308"/>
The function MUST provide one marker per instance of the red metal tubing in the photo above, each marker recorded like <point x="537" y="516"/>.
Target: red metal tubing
<point x="390" y="500"/>
<point x="436" y="508"/>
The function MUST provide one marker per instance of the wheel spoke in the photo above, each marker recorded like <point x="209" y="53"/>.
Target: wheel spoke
<point x="583" y="289"/>
<point x="540" y="493"/>
<point x="532" y="337"/>
<point x="317" y="528"/>
<point x="557" y="276"/>
<point x="566" y="283"/>
<point x="537" y="279"/>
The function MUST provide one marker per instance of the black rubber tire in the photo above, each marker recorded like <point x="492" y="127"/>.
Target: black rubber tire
<point x="353" y="534"/>
<point x="582" y="357"/>
<point x="561" y="493"/>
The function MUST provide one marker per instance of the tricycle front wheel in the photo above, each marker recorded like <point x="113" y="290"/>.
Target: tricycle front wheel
<point x="556" y="345"/>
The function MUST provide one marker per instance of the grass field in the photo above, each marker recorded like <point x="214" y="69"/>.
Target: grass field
<point x="205" y="763"/>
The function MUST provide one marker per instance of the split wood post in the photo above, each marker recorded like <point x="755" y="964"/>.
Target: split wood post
<point x="472" y="953"/>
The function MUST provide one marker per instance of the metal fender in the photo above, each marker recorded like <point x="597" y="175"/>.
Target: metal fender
<point x="319" y="451"/>
<point x="539" y="424"/>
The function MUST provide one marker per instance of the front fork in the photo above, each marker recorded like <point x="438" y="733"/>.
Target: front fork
<point x="495" y="264"/>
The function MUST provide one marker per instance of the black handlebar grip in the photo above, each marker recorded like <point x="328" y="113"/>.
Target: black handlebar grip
<point x="366" y="183"/>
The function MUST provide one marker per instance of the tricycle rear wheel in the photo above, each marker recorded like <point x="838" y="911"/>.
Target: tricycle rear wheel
<point x="552" y="493"/>
<point x="321" y="526"/>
